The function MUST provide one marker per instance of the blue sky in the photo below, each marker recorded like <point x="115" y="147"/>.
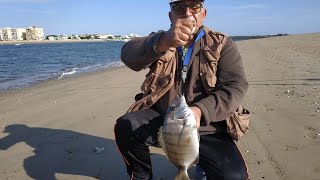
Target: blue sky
<point x="120" y="17"/>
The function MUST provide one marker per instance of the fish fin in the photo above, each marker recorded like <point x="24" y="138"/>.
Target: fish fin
<point x="161" y="141"/>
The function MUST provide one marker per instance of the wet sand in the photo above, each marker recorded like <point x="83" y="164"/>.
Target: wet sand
<point x="63" y="129"/>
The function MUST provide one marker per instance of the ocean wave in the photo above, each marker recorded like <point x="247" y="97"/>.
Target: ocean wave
<point x="20" y="82"/>
<point x="77" y="70"/>
<point x="68" y="73"/>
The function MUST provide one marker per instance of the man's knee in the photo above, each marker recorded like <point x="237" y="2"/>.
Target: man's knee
<point x="123" y="127"/>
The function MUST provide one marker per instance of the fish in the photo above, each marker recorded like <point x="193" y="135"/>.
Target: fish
<point x="179" y="137"/>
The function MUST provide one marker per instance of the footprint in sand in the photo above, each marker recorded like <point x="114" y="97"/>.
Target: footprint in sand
<point x="312" y="132"/>
<point x="292" y="148"/>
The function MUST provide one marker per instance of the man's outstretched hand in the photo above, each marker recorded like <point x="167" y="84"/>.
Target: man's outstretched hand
<point x="178" y="35"/>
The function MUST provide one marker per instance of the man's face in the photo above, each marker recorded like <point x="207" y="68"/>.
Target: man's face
<point x="187" y="9"/>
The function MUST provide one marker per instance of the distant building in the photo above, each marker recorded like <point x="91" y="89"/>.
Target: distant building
<point x="13" y="34"/>
<point x="20" y="34"/>
<point x="7" y="34"/>
<point x="134" y="35"/>
<point x="105" y="36"/>
<point x="63" y="37"/>
<point x="52" y="38"/>
<point x="34" y="33"/>
<point x="76" y="37"/>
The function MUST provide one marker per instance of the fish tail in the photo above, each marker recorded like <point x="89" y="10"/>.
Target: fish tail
<point x="183" y="174"/>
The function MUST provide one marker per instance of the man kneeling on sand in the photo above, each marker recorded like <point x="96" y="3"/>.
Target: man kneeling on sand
<point x="191" y="59"/>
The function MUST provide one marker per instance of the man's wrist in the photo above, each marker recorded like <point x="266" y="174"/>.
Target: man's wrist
<point x="196" y="111"/>
<point x="162" y="45"/>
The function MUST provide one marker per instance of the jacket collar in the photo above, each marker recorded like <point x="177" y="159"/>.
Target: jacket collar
<point x="199" y="44"/>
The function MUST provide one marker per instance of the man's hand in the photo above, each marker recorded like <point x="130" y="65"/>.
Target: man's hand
<point x="178" y="35"/>
<point x="197" y="113"/>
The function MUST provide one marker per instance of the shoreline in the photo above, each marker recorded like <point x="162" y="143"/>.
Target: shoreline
<point x="49" y="42"/>
<point x="60" y="77"/>
<point x="57" y="80"/>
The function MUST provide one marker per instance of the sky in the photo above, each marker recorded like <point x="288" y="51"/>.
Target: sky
<point x="122" y="17"/>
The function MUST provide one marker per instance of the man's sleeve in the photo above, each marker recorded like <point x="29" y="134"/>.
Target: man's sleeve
<point x="230" y="88"/>
<point x="140" y="52"/>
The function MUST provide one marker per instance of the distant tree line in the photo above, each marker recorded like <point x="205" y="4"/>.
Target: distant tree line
<point x="88" y="37"/>
<point x="282" y="34"/>
<point x="258" y="36"/>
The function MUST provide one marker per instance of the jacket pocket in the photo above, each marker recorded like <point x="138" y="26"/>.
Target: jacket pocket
<point x="154" y="82"/>
<point x="238" y="123"/>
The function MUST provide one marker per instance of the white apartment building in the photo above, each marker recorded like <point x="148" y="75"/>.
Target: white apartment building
<point x="7" y="34"/>
<point x="34" y="33"/>
<point x="1" y="39"/>
<point x="20" y="34"/>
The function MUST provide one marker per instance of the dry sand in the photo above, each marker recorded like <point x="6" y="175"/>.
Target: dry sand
<point x="63" y="129"/>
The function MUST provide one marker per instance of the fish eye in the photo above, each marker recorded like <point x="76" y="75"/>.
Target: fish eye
<point x="174" y="107"/>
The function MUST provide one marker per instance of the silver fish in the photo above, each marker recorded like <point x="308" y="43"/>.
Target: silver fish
<point x="179" y="137"/>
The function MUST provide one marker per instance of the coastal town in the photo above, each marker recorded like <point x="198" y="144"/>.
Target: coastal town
<point x="37" y="34"/>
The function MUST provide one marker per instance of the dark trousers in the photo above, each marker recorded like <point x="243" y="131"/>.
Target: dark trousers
<point x="136" y="131"/>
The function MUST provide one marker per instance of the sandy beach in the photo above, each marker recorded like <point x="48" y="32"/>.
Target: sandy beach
<point x="63" y="129"/>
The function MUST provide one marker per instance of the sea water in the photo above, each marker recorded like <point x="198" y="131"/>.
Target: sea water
<point x="23" y="65"/>
<point x="27" y="64"/>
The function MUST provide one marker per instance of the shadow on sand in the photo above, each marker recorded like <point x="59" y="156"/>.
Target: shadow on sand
<point x="69" y="152"/>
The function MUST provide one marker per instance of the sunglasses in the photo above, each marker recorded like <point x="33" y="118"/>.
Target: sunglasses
<point x="194" y="8"/>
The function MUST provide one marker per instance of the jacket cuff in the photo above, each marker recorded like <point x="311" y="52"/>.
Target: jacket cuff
<point x="202" y="105"/>
<point x="152" y="44"/>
